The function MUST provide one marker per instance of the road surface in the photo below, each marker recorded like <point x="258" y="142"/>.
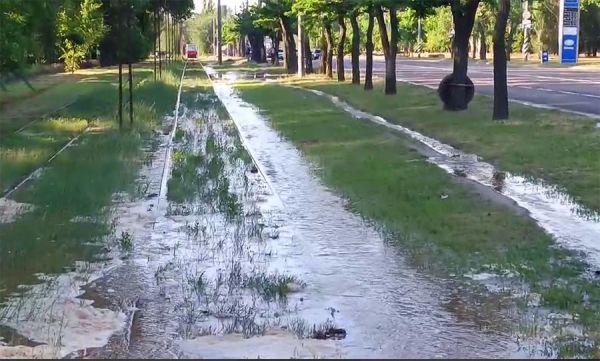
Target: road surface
<point x="559" y="88"/>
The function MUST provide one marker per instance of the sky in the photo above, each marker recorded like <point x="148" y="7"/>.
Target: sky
<point x="234" y="4"/>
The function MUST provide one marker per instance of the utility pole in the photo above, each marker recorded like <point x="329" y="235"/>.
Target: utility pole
<point x="219" y="53"/>
<point x="300" y="48"/>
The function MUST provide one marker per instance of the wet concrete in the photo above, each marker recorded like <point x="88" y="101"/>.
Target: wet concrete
<point x="572" y="225"/>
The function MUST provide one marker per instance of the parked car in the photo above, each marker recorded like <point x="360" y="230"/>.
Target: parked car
<point x="316" y="54"/>
<point x="191" y="52"/>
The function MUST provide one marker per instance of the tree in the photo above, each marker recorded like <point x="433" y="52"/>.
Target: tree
<point x="437" y="30"/>
<point x="14" y="41"/>
<point x="546" y="15"/>
<point x="514" y="21"/>
<point x="282" y="11"/>
<point x="80" y="28"/>
<point x="483" y="22"/>
<point x="500" y="78"/>
<point x="389" y="44"/>
<point x="590" y="27"/>
<point x="369" y="48"/>
<point x="355" y="11"/>
<point x="249" y="23"/>
<point x="340" y="45"/>
<point x="200" y="28"/>
<point x="320" y="12"/>
<point x="456" y="90"/>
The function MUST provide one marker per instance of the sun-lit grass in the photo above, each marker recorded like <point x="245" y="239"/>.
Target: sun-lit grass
<point x="386" y="182"/>
<point x="558" y="148"/>
<point x="73" y="197"/>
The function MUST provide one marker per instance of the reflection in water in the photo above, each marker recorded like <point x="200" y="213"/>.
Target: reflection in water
<point x="571" y="224"/>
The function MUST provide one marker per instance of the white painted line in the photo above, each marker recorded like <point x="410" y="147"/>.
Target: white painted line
<point x="531" y="104"/>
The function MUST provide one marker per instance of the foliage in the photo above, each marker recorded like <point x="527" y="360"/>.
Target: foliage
<point x="437" y="30"/>
<point x="590" y="26"/>
<point x="80" y="28"/>
<point x="200" y="30"/>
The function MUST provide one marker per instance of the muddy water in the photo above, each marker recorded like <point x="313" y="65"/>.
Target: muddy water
<point x="573" y="225"/>
<point x="351" y="273"/>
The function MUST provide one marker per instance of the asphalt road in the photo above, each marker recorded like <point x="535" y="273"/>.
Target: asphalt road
<point x="559" y="88"/>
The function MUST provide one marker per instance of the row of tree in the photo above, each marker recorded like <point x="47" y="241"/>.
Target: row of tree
<point x="117" y="32"/>
<point x="272" y="17"/>
<point x="461" y="26"/>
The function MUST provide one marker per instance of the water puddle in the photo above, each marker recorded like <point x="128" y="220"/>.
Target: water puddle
<point x="572" y="225"/>
<point x="352" y="276"/>
<point x="246" y="254"/>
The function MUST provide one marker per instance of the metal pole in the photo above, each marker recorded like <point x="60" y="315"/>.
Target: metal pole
<point x="300" y="48"/>
<point x="219" y="51"/>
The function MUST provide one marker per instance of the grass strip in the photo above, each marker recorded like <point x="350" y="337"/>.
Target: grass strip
<point x="72" y="199"/>
<point x="556" y="147"/>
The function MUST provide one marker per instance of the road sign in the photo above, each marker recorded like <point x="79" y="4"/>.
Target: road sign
<point x="568" y="32"/>
<point x="545" y="56"/>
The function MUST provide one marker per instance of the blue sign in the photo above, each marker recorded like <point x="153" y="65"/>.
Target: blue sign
<point x="568" y="35"/>
<point x="545" y="56"/>
<point x="571" y="4"/>
<point x="569" y="49"/>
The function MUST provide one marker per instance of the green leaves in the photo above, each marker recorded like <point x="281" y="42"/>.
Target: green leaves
<point x="80" y="27"/>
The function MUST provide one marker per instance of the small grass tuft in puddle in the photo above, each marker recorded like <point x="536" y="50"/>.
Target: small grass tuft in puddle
<point x="125" y="242"/>
<point x="272" y="286"/>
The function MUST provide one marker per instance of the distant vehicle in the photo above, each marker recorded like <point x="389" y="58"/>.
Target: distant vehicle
<point x="191" y="52"/>
<point x="316" y="54"/>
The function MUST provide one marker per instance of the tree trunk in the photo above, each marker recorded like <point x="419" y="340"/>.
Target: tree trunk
<point x="390" y="46"/>
<point x="474" y="41"/>
<point x="500" y="81"/>
<point x="308" y="58"/>
<point x="120" y="95"/>
<point x="275" y="40"/>
<point x="390" y="76"/>
<point x="323" y="42"/>
<point x="159" y="47"/>
<point x="130" y="93"/>
<point x="329" y="37"/>
<point x="355" y="48"/>
<point x="482" y="42"/>
<point x="167" y="41"/>
<point x="340" y="48"/>
<point x="369" y="49"/>
<point x="458" y="90"/>
<point x="155" y="41"/>
<point x="291" y="60"/>
<point x="256" y="45"/>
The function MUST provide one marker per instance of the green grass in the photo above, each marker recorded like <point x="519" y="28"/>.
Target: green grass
<point x="386" y="182"/>
<point x="558" y="148"/>
<point x="91" y="100"/>
<point x="72" y="199"/>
